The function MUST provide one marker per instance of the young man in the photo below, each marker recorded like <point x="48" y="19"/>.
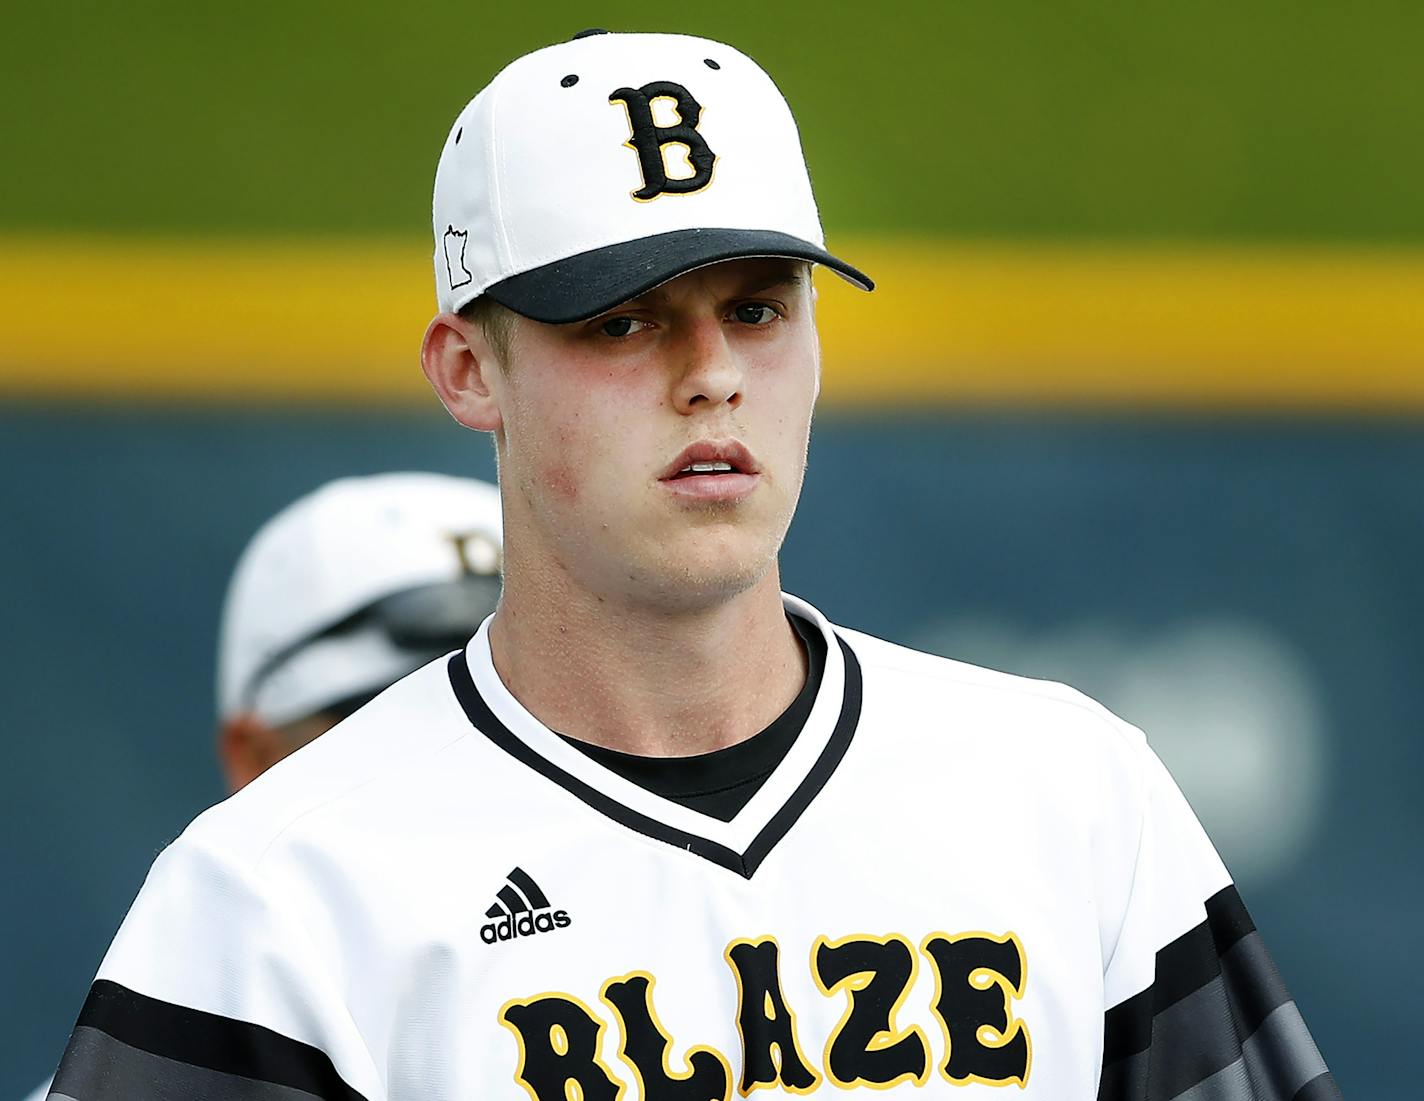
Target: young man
<point x="660" y="831"/>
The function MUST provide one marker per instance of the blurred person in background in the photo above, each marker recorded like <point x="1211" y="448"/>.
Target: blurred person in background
<point x="339" y="595"/>
<point x="343" y="593"/>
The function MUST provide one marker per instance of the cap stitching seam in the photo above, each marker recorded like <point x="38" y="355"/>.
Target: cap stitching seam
<point x="503" y="252"/>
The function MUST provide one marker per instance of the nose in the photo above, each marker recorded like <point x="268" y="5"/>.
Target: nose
<point x="711" y="374"/>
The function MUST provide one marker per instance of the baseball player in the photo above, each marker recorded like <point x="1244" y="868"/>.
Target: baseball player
<point x="344" y="591"/>
<point x="659" y="830"/>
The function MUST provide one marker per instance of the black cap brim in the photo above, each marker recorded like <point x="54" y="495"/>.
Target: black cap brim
<point x="589" y="283"/>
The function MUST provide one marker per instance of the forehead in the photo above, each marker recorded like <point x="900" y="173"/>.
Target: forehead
<point x="730" y="278"/>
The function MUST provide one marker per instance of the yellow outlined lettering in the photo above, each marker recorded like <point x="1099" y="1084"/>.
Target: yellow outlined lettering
<point x="865" y="1041"/>
<point x="977" y="978"/>
<point x="771" y="1054"/>
<point x="646" y="1045"/>
<point x="559" y="1040"/>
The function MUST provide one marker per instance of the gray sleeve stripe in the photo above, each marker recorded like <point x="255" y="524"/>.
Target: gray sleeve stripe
<point x="1322" y="1088"/>
<point x="1215" y="1023"/>
<point x="1191" y="1041"/>
<point x="224" y="1045"/>
<point x="1255" y="987"/>
<point x="1190" y="1062"/>
<point x="1275" y="1063"/>
<point x="97" y="1066"/>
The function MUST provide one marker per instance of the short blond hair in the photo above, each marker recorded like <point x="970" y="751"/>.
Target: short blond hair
<point x="495" y="321"/>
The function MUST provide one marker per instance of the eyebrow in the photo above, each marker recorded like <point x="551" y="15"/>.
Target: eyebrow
<point x="776" y="282"/>
<point x="795" y="277"/>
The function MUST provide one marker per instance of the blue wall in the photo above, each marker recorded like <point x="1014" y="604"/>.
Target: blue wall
<point x="1130" y="553"/>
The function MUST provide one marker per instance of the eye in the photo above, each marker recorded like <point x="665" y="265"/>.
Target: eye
<point x="755" y="313"/>
<point x="621" y="326"/>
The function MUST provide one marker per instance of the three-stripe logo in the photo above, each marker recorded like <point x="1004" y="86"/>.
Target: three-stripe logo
<point x="522" y="911"/>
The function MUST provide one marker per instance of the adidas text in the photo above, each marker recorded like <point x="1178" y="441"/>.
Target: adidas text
<point x="513" y="926"/>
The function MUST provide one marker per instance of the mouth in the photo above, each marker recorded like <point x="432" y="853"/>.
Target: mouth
<point x="712" y="470"/>
<point x="711" y="459"/>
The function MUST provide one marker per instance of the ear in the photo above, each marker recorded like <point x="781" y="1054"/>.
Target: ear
<point x="816" y="336"/>
<point x="457" y="358"/>
<point x="248" y="747"/>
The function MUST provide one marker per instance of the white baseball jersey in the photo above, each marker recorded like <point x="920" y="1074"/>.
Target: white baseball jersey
<point x="955" y="880"/>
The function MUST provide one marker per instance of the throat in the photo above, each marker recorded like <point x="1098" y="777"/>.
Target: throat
<point x="677" y="688"/>
<point x="721" y="782"/>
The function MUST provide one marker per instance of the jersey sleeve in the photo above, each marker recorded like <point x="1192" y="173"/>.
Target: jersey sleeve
<point x="1194" y="1006"/>
<point x="210" y="990"/>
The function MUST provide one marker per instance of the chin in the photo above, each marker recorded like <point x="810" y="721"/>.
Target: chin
<point x="709" y="575"/>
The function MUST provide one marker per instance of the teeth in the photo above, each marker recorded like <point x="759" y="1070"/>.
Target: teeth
<point x="707" y="468"/>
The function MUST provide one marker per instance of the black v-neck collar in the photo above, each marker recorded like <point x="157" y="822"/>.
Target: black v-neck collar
<point x="721" y="782"/>
<point x="744" y="862"/>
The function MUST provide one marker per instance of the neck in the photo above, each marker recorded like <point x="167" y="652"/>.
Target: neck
<point x="662" y="683"/>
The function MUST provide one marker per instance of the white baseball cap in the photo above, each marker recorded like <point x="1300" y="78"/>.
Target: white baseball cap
<point x="353" y="586"/>
<point x="589" y="172"/>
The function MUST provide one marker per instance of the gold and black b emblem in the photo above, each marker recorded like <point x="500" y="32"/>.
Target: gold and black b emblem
<point x="649" y="138"/>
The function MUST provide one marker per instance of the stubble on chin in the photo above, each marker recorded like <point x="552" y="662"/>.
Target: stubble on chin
<point x="673" y="586"/>
<point x="721" y="552"/>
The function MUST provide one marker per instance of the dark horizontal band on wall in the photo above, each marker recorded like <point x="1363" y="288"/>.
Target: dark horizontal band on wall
<point x="339" y="321"/>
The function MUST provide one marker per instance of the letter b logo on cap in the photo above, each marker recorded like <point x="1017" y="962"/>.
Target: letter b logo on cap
<point x="649" y="138"/>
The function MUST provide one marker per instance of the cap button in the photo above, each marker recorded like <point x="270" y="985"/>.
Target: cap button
<point x="588" y="33"/>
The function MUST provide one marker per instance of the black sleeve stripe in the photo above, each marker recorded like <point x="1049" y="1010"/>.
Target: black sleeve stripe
<point x="98" y="1067"/>
<point x="1124" y="1080"/>
<point x="1183" y="967"/>
<point x="1191" y="1041"/>
<point x="133" y="1024"/>
<point x="1277" y="1063"/>
<point x="1191" y="960"/>
<point x="1127" y="1029"/>
<point x="1228" y="918"/>
<point x="1217" y="1024"/>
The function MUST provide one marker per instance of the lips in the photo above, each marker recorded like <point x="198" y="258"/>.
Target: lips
<point x="710" y="459"/>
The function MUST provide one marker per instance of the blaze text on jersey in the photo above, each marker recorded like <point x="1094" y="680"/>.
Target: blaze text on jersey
<point x="978" y="978"/>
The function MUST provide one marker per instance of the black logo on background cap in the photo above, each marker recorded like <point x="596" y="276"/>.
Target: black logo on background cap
<point x="455" y="241"/>
<point x="649" y="138"/>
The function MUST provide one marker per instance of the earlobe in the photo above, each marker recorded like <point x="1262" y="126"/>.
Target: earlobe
<point x="815" y="335"/>
<point x="816" y="394"/>
<point x="457" y="360"/>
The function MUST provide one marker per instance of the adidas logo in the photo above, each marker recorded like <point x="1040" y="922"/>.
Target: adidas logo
<point x="522" y="911"/>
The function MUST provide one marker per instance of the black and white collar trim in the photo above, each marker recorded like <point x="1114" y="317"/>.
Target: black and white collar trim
<point x="739" y="845"/>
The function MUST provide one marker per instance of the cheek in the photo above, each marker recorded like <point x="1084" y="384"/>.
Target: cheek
<point x="585" y="433"/>
<point x="561" y="480"/>
<point x="791" y="398"/>
<point x="571" y="461"/>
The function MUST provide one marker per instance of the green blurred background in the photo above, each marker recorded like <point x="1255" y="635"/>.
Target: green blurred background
<point x="1263" y="121"/>
<point x="1241" y="581"/>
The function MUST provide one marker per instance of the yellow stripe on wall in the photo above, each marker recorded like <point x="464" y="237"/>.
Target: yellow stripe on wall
<point x="1283" y="328"/>
<point x="341" y="321"/>
<point x="219" y="320"/>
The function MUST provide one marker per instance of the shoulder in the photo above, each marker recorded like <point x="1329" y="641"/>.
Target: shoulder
<point x="998" y="699"/>
<point x="374" y="759"/>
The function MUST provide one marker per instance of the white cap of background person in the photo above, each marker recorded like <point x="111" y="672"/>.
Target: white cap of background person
<point x="589" y="172"/>
<point x="353" y="586"/>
